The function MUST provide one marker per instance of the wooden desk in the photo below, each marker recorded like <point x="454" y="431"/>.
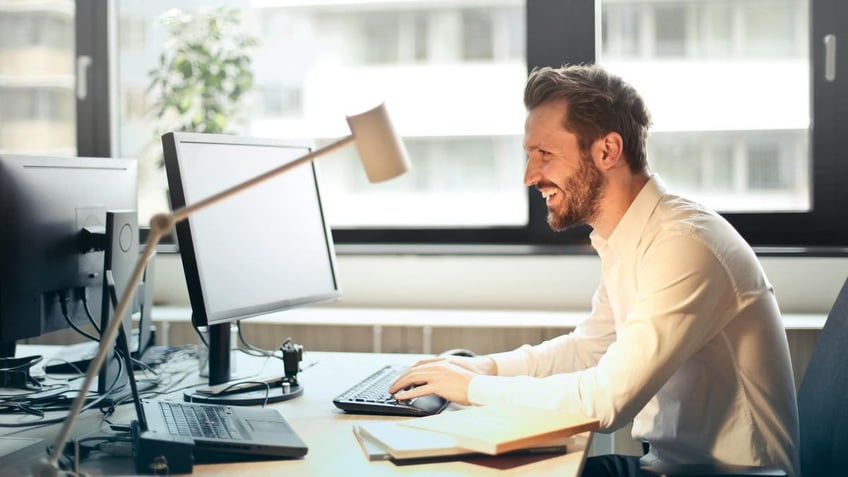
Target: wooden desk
<point x="333" y="449"/>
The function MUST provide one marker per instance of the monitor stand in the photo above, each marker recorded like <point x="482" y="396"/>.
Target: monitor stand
<point x="240" y="392"/>
<point x="119" y="258"/>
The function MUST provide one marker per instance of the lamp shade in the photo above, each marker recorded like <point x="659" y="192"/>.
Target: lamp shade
<point x="382" y="153"/>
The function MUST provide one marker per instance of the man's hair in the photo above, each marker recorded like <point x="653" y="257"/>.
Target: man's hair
<point x="597" y="103"/>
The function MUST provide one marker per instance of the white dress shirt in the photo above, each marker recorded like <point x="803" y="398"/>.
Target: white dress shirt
<point x="684" y="338"/>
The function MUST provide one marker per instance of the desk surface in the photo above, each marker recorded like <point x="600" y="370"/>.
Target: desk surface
<point x="333" y="449"/>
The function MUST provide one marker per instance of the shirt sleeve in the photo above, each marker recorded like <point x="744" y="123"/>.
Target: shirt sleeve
<point x="676" y="310"/>
<point x="581" y="349"/>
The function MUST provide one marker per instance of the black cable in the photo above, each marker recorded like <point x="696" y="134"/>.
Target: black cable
<point x="63" y="303"/>
<point x="40" y="405"/>
<point x="28" y="403"/>
<point x="166" y="373"/>
<point x="173" y="390"/>
<point x="165" y="376"/>
<point x="29" y="393"/>
<point x="144" y="366"/>
<point x="89" y="315"/>
<point x="251" y="347"/>
<point x="54" y="420"/>
<point x="54" y="359"/>
<point x="114" y="388"/>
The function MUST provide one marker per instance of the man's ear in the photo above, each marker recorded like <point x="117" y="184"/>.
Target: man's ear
<point x="609" y="150"/>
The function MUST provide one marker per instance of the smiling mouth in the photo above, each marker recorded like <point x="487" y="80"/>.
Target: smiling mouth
<point x="548" y="193"/>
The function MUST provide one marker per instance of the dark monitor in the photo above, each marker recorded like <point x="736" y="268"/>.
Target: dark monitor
<point x="266" y="249"/>
<point x="52" y="229"/>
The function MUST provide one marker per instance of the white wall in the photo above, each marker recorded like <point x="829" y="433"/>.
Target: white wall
<point x="803" y="285"/>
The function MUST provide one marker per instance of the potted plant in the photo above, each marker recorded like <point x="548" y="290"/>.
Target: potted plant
<point x="204" y="72"/>
<point x="200" y="84"/>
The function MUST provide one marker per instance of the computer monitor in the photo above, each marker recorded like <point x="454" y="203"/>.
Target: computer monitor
<point x="52" y="240"/>
<point x="266" y="249"/>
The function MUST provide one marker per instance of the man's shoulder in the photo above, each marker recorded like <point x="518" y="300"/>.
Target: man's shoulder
<point x="677" y="217"/>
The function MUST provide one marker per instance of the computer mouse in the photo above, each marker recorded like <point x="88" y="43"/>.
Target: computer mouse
<point x="457" y="352"/>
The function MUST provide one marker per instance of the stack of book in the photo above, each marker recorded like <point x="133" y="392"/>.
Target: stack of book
<point x="484" y="430"/>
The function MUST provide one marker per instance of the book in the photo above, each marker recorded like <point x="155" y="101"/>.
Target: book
<point x="389" y="440"/>
<point x="401" y="442"/>
<point x="496" y="429"/>
<point x="372" y="449"/>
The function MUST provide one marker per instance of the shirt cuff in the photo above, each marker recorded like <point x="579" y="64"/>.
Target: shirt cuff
<point x="512" y="363"/>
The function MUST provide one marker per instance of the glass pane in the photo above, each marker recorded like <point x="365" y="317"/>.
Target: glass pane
<point x="727" y="83"/>
<point x="451" y="73"/>
<point x="37" y="102"/>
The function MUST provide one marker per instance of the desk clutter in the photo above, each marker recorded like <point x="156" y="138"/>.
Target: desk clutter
<point x="161" y="435"/>
<point x="318" y="433"/>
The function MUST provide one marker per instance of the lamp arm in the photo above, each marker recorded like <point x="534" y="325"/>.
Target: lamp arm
<point x="160" y="225"/>
<point x="183" y="212"/>
<point x="49" y="467"/>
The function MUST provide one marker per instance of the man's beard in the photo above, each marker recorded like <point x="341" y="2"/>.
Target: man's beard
<point x="581" y="197"/>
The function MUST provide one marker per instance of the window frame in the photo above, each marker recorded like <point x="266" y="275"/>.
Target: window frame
<point x="94" y="115"/>
<point x="557" y="33"/>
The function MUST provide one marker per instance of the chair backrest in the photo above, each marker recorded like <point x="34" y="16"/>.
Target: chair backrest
<point x="823" y="398"/>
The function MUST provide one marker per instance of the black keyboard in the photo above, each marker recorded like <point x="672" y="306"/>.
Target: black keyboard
<point x="198" y="420"/>
<point x="371" y="396"/>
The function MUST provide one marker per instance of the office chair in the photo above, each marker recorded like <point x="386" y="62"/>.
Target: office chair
<point x="822" y="410"/>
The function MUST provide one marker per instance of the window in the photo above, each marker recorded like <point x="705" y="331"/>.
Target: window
<point x="37" y="104"/>
<point x="669" y="26"/>
<point x="744" y="119"/>
<point x="377" y="36"/>
<point x="695" y="84"/>
<point x="477" y="30"/>
<point x="452" y="73"/>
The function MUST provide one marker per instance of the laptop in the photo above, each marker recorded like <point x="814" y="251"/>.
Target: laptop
<point x="220" y="433"/>
<point x="223" y="433"/>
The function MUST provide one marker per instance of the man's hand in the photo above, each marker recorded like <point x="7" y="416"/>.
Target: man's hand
<point x="447" y="377"/>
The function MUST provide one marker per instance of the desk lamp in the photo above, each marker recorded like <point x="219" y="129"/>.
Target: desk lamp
<point x="383" y="156"/>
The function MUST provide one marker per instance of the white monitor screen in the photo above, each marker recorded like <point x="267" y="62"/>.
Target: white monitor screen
<point x="265" y="249"/>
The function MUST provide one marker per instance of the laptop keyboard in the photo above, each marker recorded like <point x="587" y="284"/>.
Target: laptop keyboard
<point x="198" y="420"/>
<point x="371" y="396"/>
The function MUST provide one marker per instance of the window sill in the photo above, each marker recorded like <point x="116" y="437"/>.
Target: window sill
<point x="525" y="250"/>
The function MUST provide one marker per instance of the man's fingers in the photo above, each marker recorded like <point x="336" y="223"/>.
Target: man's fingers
<point x="413" y="376"/>
<point x="414" y="392"/>
<point x="409" y="378"/>
<point x="428" y="361"/>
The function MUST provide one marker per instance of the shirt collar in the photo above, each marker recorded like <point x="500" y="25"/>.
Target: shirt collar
<point x="626" y="235"/>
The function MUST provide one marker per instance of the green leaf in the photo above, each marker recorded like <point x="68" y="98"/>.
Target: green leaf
<point x="204" y="71"/>
<point x="183" y="66"/>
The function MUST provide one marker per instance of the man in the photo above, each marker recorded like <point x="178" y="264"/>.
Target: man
<point x="684" y="337"/>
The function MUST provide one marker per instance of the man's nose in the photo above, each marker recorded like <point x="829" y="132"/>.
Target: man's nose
<point x="532" y="172"/>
